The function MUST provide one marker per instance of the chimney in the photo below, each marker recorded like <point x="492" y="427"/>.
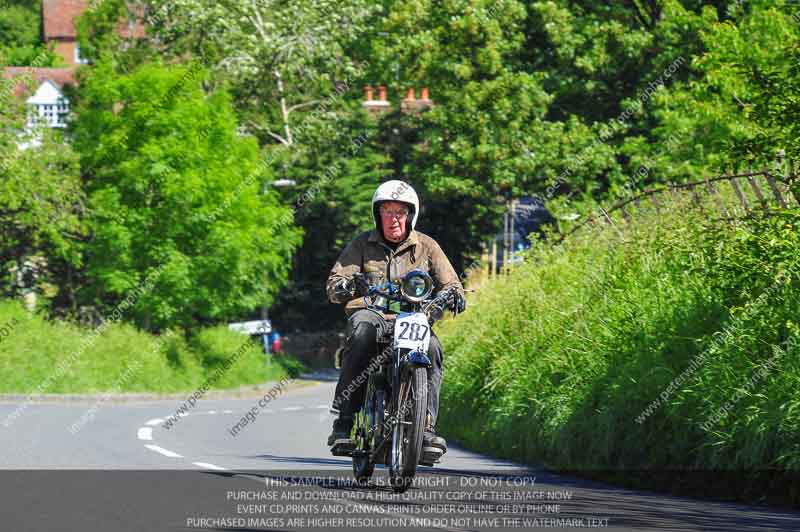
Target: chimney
<point x="410" y="104"/>
<point x="379" y="106"/>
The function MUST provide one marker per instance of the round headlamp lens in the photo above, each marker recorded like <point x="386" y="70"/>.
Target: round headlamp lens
<point x="417" y="286"/>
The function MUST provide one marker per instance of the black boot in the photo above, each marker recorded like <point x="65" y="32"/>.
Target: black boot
<point x="430" y="439"/>
<point x="341" y="429"/>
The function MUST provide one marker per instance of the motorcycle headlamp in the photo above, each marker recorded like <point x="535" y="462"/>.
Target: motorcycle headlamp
<point x="416" y="286"/>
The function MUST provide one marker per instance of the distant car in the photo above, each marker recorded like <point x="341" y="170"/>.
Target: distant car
<point x="269" y="339"/>
<point x="530" y="216"/>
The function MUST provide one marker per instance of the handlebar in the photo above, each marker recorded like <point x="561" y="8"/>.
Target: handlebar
<point x="391" y="292"/>
<point x="433" y="307"/>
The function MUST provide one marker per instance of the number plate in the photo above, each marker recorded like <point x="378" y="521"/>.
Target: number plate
<point x="412" y="331"/>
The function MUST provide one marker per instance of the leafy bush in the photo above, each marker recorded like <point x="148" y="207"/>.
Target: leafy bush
<point x="234" y="357"/>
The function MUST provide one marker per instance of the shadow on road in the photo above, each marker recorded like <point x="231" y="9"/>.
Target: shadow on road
<point x="302" y="460"/>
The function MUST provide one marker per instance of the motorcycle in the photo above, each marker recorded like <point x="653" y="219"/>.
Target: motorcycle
<point x="388" y="428"/>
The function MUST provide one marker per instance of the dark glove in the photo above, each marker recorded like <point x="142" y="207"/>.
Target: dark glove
<point x="459" y="304"/>
<point x="344" y="289"/>
<point x="350" y="288"/>
<point x="360" y="284"/>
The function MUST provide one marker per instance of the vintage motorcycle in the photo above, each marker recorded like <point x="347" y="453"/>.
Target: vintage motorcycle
<point x="388" y="428"/>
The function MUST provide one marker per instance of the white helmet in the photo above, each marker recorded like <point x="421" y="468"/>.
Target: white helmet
<point x="396" y="190"/>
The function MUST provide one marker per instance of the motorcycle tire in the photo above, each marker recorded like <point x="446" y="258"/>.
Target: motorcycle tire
<point x="406" y="444"/>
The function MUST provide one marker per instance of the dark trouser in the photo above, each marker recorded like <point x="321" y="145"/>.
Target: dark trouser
<point x="363" y="328"/>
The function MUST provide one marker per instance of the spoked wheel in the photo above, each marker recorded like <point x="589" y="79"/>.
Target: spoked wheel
<point x="363" y="464"/>
<point x="407" y="431"/>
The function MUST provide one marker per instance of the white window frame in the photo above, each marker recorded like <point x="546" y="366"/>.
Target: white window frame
<point x="51" y="115"/>
<point x="78" y="59"/>
<point x="48" y="107"/>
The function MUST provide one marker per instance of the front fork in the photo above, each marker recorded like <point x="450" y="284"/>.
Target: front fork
<point x="404" y="363"/>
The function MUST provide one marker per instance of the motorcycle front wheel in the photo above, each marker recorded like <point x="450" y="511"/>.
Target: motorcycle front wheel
<point x="407" y="430"/>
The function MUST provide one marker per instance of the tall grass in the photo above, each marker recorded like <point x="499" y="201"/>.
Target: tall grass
<point x="555" y="363"/>
<point x="121" y="358"/>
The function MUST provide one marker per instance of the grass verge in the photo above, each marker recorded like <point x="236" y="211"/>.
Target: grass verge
<point x="41" y="356"/>
<point x="652" y="354"/>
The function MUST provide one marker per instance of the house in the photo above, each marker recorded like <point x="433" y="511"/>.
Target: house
<point x="58" y="26"/>
<point x="47" y="104"/>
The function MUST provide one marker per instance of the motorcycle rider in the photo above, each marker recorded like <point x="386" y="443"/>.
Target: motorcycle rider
<point x="387" y="252"/>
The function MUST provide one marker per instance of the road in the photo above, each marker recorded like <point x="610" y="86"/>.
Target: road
<point x="80" y="465"/>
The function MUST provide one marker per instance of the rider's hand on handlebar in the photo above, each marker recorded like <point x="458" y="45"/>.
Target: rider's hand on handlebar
<point x="355" y="287"/>
<point x="459" y="304"/>
<point x="345" y="289"/>
<point x="360" y="284"/>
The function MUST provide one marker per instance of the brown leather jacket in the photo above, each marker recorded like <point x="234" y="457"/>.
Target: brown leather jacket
<point x="368" y="253"/>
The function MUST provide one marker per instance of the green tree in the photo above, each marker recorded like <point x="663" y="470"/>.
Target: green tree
<point x="489" y="134"/>
<point x="177" y="197"/>
<point x="41" y="214"/>
<point x="20" y="36"/>
<point x="42" y="208"/>
<point x="739" y="108"/>
<point x="280" y="58"/>
<point x="551" y="98"/>
<point x="295" y="82"/>
<point x="100" y="38"/>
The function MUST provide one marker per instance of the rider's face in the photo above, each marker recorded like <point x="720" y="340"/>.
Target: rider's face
<point x="393" y="220"/>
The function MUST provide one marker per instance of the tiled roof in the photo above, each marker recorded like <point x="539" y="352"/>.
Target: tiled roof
<point x="59" y="76"/>
<point x="58" y="18"/>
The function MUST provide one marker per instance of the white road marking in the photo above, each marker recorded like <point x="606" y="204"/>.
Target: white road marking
<point x="156" y="421"/>
<point x="163" y="451"/>
<point x="146" y="433"/>
<point x="205" y="465"/>
<point x="182" y="414"/>
<point x="227" y="411"/>
<point x="212" y="411"/>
